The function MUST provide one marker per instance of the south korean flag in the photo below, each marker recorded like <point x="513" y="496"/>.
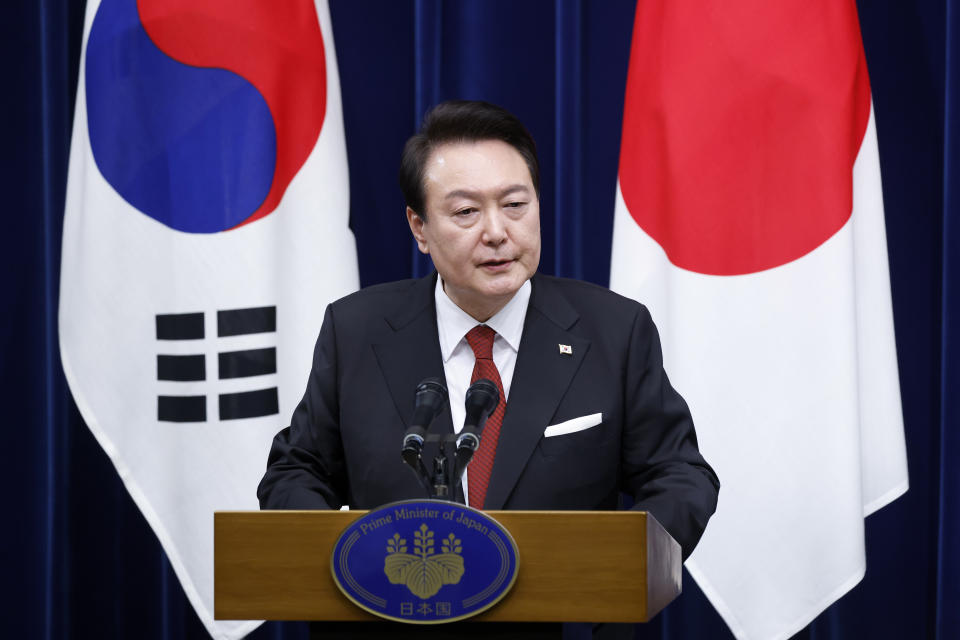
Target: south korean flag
<point x="206" y="228"/>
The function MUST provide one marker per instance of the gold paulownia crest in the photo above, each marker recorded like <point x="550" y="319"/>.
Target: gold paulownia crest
<point x="423" y="571"/>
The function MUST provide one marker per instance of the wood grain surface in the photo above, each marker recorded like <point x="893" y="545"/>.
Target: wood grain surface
<point x="575" y="566"/>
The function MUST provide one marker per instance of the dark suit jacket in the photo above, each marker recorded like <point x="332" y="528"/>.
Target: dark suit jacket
<point x="375" y="346"/>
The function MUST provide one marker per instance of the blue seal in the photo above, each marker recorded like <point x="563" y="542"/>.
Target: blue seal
<point x="425" y="562"/>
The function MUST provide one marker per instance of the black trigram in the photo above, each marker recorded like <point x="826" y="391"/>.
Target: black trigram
<point x="230" y="365"/>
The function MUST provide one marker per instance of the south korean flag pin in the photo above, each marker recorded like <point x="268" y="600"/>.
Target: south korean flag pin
<point x="565" y="349"/>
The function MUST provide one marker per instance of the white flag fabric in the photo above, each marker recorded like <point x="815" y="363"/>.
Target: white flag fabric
<point x="749" y="219"/>
<point x="206" y="228"/>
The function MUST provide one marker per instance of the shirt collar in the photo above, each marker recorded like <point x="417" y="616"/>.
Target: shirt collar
<point x="453" y="323"/>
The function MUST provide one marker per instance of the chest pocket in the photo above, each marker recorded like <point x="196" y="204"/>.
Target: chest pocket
<point x="584" y="431"/>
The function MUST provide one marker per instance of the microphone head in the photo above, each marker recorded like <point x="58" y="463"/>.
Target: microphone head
<point x="431" y="389"/>
<point x="482" y="396"/>
<point x="431" y="392"/>
<point x="430" y="397"/>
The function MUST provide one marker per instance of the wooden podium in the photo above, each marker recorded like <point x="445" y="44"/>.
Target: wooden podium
<point x="575" y="566"/>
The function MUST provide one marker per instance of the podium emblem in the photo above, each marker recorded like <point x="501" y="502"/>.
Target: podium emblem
<point x="423" y="571"/>
<point x="425" y="562"/>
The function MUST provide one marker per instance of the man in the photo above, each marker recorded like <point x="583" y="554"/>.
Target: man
<point x="586" y="409"/>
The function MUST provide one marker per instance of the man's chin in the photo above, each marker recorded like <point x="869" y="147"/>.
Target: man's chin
<point x="504" y="286"/>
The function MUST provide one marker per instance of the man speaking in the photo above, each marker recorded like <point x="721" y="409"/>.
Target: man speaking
<point x="586" y="411"/>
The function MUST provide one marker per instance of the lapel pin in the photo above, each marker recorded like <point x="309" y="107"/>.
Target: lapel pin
<point x="566" y="349"/>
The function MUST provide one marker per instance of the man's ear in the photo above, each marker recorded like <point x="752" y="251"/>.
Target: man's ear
<point x="416" y="228"/>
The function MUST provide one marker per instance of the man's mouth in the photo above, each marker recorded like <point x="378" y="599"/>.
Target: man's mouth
<point x="495" y="264"/>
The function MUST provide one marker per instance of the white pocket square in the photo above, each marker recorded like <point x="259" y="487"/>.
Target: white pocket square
<point x="572" y="426"/>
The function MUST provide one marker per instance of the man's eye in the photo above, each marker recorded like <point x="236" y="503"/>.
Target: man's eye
<point x="464" y="212"/>
<point x="515" y="204"/>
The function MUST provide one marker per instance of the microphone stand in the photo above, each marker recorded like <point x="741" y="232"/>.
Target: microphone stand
<point x="437" y="482"/>
<point x="481" y="399"/>
<point x="451" y="449"/>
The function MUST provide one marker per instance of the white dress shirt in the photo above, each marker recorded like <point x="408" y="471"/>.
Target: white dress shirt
<point x="453" y="323"/>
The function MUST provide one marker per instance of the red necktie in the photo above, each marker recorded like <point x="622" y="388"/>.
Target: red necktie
<point x="480" y="339"/>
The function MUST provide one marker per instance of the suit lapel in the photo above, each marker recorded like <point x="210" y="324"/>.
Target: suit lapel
<point x="412" y="352"/>
<point x="540" y="379"/>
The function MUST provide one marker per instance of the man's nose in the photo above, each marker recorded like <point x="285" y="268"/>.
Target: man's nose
<point x="494" y="227"/>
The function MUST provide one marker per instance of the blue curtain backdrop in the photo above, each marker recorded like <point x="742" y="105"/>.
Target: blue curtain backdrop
<point x="78" y="559"/>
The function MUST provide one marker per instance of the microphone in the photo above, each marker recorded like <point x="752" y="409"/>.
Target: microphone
<point x="481" y="400"/>
<point x="430" y="397"/>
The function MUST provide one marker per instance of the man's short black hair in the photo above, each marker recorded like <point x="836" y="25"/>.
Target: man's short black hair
<point x="461" y="121"/>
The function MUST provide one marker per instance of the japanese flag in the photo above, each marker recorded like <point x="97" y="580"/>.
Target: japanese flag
<point x="749" y="219"/>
